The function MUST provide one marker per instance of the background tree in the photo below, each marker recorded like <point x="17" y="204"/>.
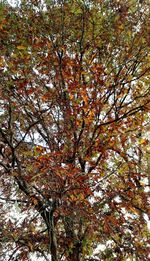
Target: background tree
<point x="74" y="101"/>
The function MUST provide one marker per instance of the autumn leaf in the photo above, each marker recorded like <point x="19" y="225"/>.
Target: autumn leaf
<point x="21" y="47"/>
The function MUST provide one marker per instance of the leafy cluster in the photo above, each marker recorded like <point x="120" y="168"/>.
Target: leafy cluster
<point x="74" y="107"/>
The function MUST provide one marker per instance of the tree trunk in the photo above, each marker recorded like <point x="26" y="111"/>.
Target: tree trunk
<point x="53" y="241"/>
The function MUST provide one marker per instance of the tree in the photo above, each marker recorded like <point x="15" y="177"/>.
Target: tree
<point x="74" y="101"/>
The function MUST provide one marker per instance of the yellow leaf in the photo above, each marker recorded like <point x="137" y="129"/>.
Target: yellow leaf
<point x="21" y="47"/>
<point x="81" y="196"/>
<point x="143" y="141"/>
<point x="92" y="58"/>
<point x="1" y="62"/>
<point x="121" y="26"/>
<point x="134" y="211"/>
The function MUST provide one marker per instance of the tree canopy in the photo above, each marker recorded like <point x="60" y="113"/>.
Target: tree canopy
<point x="74" y="108"/>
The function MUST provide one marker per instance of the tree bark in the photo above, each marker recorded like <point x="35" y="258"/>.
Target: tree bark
<point x="53" y="246"/>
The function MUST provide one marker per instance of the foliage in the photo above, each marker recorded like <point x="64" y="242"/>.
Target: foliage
<point x="74" y="107"/>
